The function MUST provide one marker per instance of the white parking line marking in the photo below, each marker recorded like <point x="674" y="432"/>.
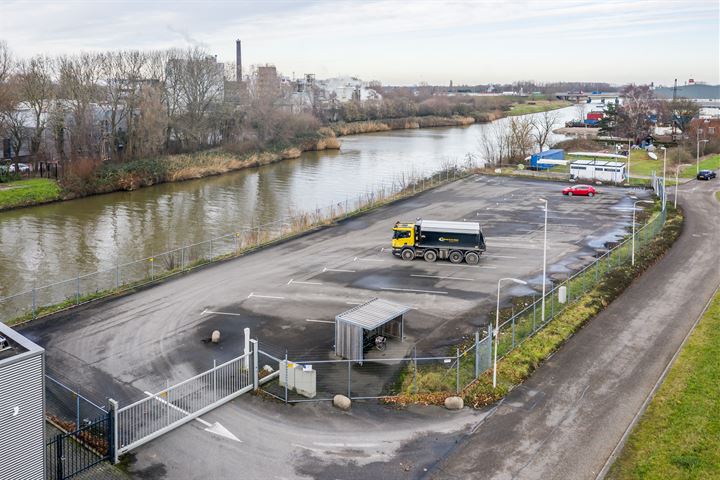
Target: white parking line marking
<point x="414" y="291"/>
<point x="303" y="283"/>
<point x="338" y="270"/>
<point x="497" y="256"/>
<point x="253" y="295"/>
<point x="319" y="321"/>
<point x="220" y="313"/>
<point x="356" y="259"/>
<point x="444" y="278"/>
<point x="354" y="303"/>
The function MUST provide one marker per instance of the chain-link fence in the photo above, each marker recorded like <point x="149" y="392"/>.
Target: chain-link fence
<point x="413" y="374"/>
<point x="67" y="408"/>
<point x="123" y="276"/>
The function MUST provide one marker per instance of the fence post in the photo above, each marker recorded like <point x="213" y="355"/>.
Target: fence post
<point x="552" y="300"/>
<point x="117" y="274"/>
<point x="77" y="410"/>
<point x="567" y="285"/>
<point x="415" y="371"/>
<point x="457" y="371"/>
<point x="286" y="376"/>
<point x="534" y="309"/>
<point x="214" y="381"/>
<point x="152" y="268"/>
<point x="477" y="354"/>
<point x="211" y="250"/>
<point x="113" y="416"/>
<point x="256" y="382"/>
<point x="34" y="299"/>
<point x="77" y="290"/>
<point x="512" y="321"/>
<point x="349" y="370"/>
<point x="490" y="344"/>
<point x="597" y="266"/>
<point x="59" y="470"/>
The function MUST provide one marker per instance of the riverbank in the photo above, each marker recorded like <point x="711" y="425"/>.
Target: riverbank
<point x="85" y="178"/>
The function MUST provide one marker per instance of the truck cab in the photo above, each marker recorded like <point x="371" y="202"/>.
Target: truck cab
<point x="403" y="235"/>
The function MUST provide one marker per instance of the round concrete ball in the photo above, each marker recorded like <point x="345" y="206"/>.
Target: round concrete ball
<point x="454" y="403"/>
<point x="342" y="402"/>
<point x="215" y="337"/>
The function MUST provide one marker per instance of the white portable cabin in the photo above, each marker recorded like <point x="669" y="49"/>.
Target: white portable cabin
<point x="598" y="170"/>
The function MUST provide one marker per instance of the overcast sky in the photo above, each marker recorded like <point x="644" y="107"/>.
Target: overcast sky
<point x="403" y="42"/>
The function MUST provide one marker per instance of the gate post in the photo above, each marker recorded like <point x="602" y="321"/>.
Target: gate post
<point x="59" y="469"/>
<point x="113" y="443"/>
<point x="256" y="383"/>
<point x="477" y="354"/>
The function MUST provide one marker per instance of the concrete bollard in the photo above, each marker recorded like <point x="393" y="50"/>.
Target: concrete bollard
<point x="454" y="403"/>
<point x="215" y="337"/>
<point x="342" y="402"/>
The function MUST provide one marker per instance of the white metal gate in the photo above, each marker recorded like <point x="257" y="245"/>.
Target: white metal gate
<point x="159" y="413"/>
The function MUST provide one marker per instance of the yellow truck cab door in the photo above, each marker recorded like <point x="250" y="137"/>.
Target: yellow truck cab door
<point x="403" y="236"/>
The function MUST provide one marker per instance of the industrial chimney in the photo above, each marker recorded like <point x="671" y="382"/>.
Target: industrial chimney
<point x="238" y="61"/>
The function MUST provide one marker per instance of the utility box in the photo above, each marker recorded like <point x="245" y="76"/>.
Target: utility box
<point x="306" y="381"/>
<point x="22" y="407"/>
<point x="287" y="374"/>
<point x="562" y="294"/>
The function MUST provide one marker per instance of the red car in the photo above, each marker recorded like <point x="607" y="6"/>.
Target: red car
<point x="587" y="190"/>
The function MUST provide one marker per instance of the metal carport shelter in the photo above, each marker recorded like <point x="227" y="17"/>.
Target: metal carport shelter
<point x="386" y="318"/>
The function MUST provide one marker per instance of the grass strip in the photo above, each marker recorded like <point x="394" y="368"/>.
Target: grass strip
<point x="679" y="434"/>
<point x="28" y="192"/>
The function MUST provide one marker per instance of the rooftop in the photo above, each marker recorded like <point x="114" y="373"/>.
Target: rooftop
<point x="12" y="344"/>
<point x="372" y="314"/>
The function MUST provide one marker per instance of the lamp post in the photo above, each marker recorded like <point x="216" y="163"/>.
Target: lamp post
<point x="664" y="149"/>
<point x="677" y="173"/>
<point x="697" y="139"/>
<point x="633" y="228"/>
<point x="628" y="161"/>
<point x="497" y="324"/>
<point x="542" y="310"/>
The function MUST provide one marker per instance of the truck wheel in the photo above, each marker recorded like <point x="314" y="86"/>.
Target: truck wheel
<point x="455" y="257"/>
<point x="472" y="258"/>
<point x="430" y="256"/>
<point x="407" y="254"/>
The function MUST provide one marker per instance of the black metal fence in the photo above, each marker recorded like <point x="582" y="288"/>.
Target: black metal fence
<point x="71" y="453"/>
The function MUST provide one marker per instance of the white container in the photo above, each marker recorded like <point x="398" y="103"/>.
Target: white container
<point x="562" y="294"/>
<point x="287" y="375"/>
<point x="306" y="381"/>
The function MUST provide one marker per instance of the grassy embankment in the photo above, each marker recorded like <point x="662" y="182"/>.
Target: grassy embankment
<point x="28" y="192"/>
<point x="537" y="106"/>
<point x="679" y="434"/>
<point x="520" y="362"/>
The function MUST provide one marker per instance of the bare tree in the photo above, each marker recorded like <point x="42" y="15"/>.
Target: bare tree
<point x="542" y="126"/>
<point x="13" y="120"/>
<point x="79" y="79"/>
<point x="37" y="90"/>
<point x="521" y="138"/>
<point x="580" y="110"/>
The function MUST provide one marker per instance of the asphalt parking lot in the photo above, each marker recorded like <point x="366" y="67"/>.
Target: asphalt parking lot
<point x="289" y="294"/>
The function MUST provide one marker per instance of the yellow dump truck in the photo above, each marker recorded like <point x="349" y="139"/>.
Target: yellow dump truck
<point x="429" y="239"/>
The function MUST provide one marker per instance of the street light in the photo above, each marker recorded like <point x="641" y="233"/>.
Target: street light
<point x="664" y="149"/>
<point x="497" y="324"/>
<point x="544" y="258"/>
<point x="677" y="173"/>
<point x="697" y="167"/>
<point x="633" y="228"/>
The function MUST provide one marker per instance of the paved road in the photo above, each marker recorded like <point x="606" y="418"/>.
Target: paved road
<point x="567" y="418"/>
<point x="124" y="346"/>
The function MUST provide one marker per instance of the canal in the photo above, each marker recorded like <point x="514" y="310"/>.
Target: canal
<point x="54" y="242"/>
